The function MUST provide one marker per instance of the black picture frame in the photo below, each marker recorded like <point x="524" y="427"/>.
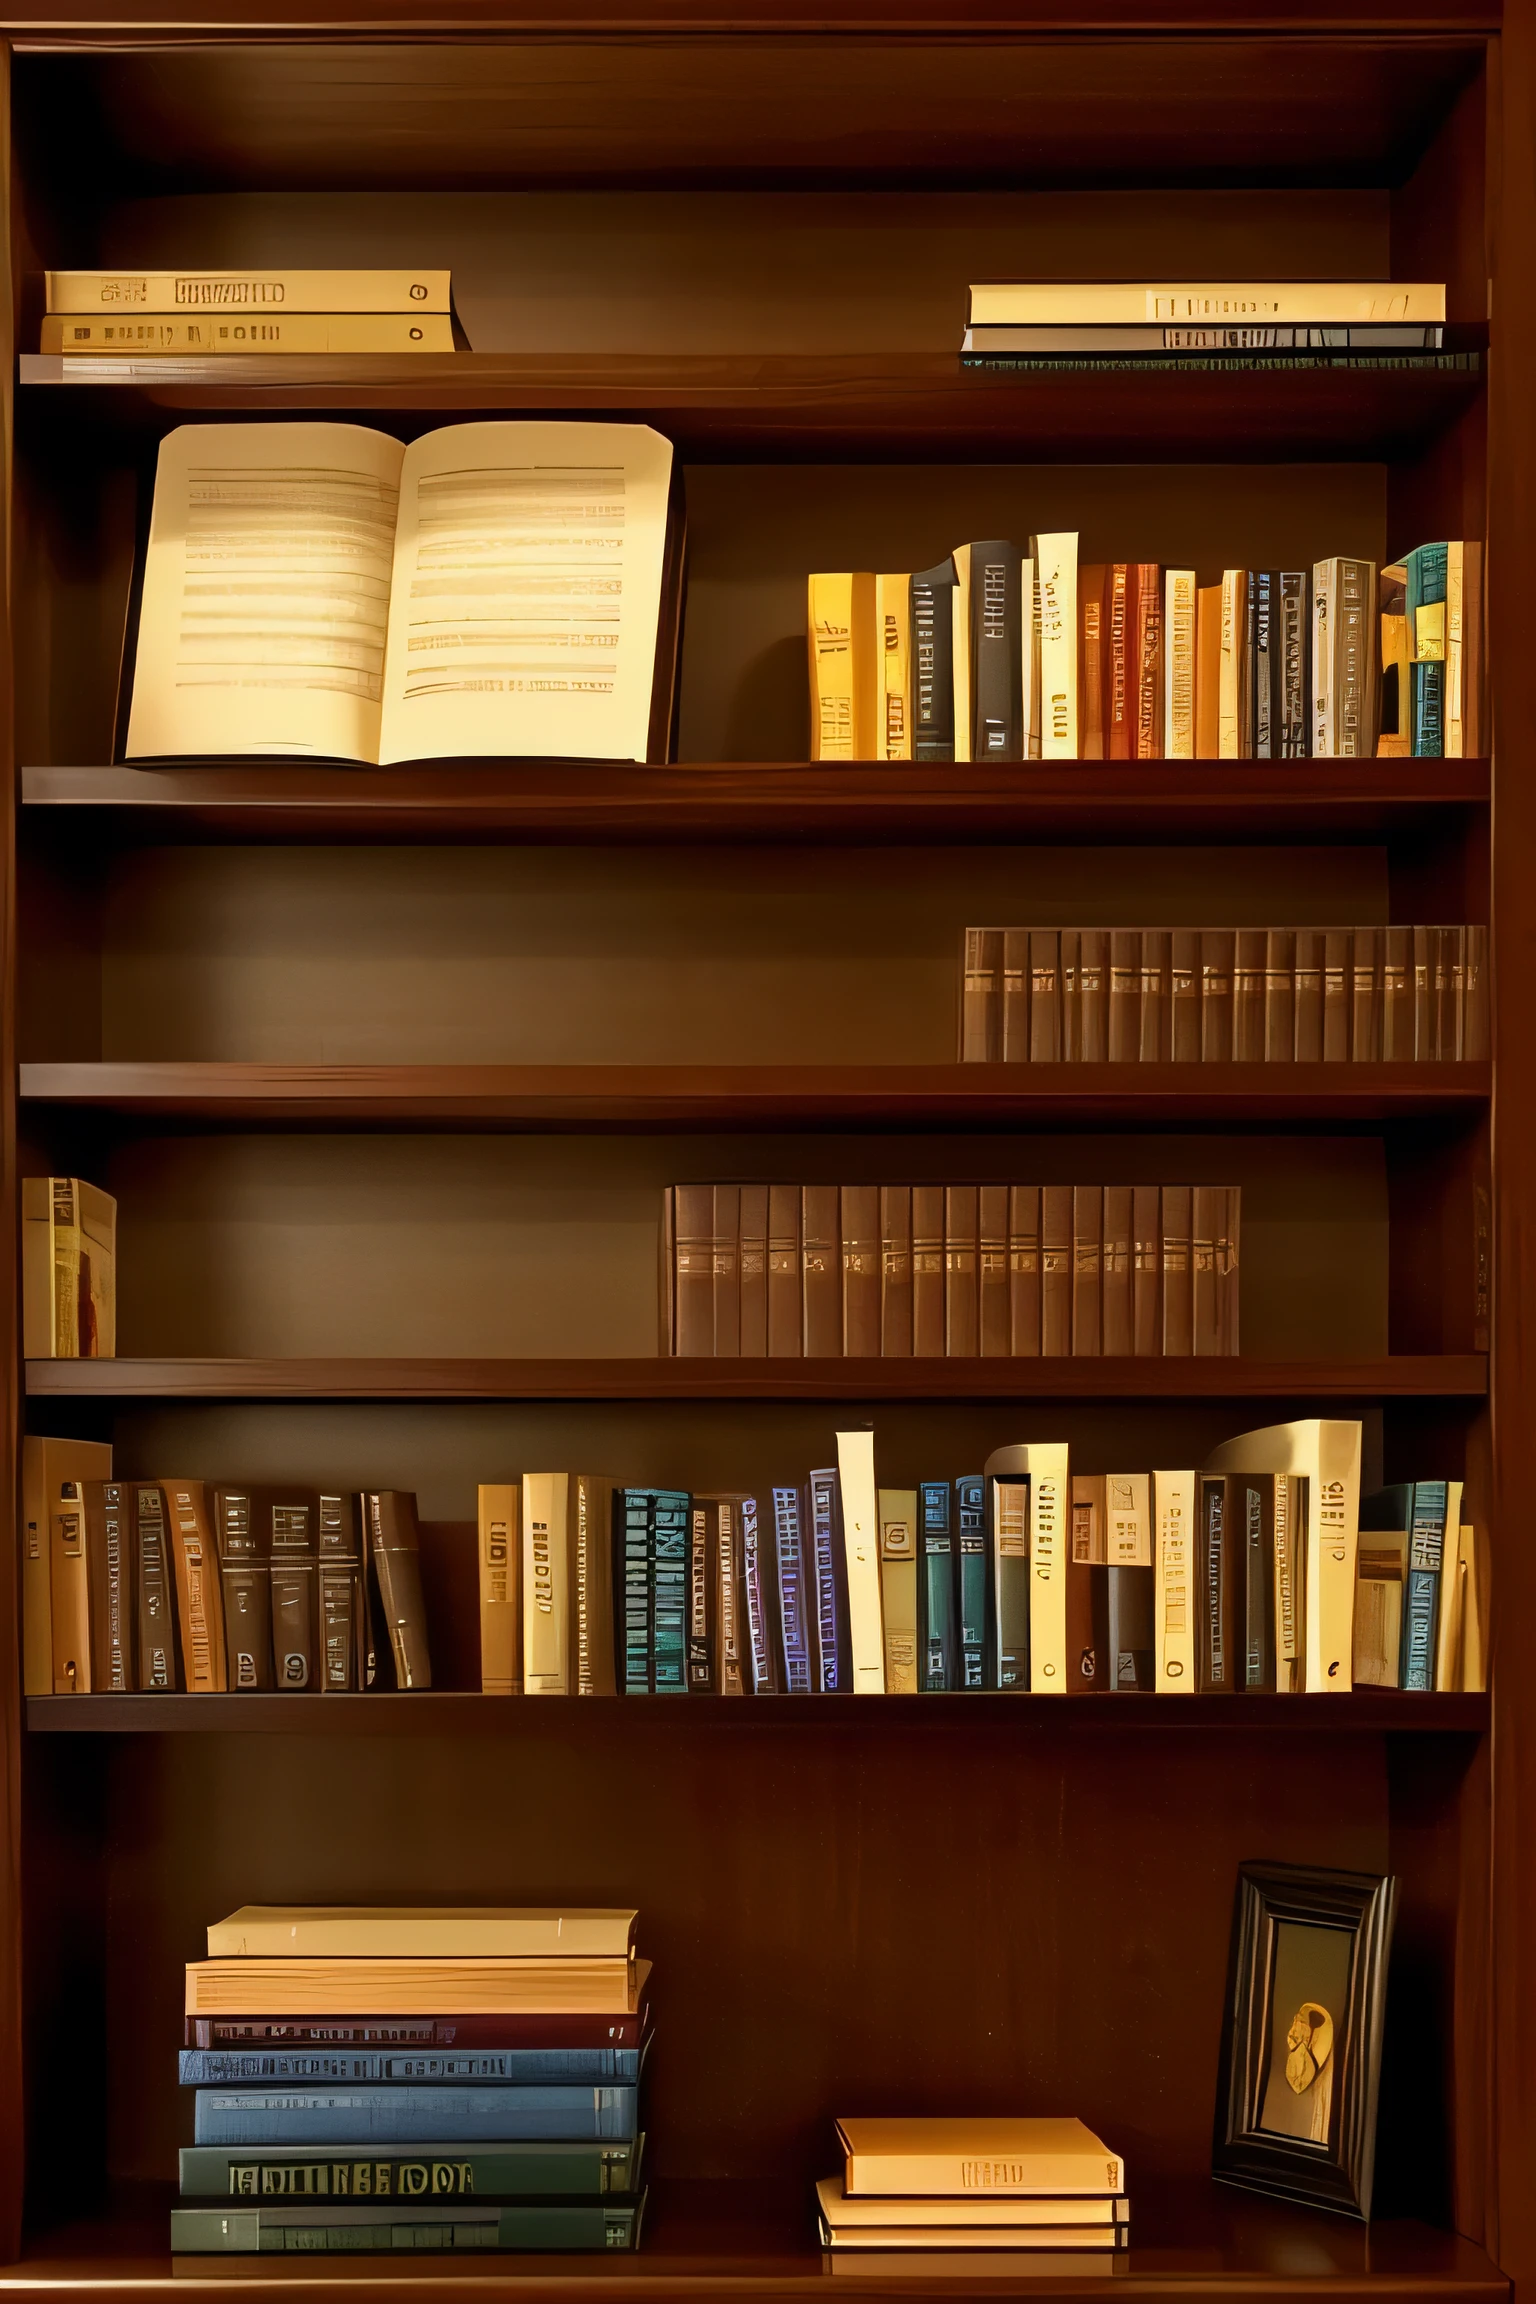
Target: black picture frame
<point x="1296" y="2108"/>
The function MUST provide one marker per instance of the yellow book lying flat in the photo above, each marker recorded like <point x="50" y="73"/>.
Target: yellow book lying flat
<point x="417" y="1932"/>
<point x="254" y="291"/>
<point x="1129" y="303"/>
<point x="944" y="2216"/>
<point x="965" y="2157"/>
<point x="250" y="1987"/>
<point x="192" y="334"/>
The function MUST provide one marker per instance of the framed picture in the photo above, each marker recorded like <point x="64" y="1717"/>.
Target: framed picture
<point x="1301" y="2038"/>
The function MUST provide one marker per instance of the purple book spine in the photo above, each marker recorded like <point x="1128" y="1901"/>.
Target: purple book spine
<point x="824" y="1536"/>
<point x="786" y="1528"/>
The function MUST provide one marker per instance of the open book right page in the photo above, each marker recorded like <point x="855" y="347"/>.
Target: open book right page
<point x="527" y="592"/>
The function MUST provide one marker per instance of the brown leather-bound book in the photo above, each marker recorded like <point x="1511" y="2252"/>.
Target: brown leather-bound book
<point x="1365" y="976"/>
<point x="1229" y="1212"/>
<point x="896" y="1271"/>
<point x="1208" y="672"/>
<point x="1093" y="993"/>
<point x="962" y="1312"/>
<point x="341" y="1610"/>
<point x="752" y="1266"/>
<point x="1446" y="946"/>
<point x="1092" y="655"/>
<point x="666" y="1276"/>
<point x="981" y="996"/>
<point x="928" y="1271"/>
<point x="1087" y="1251"/>
<point x="1085" y="1552"/>
<point x="1146" y="1270"/>
<point x="725" y="1242"/>
<point x="290" y="1518"/>
<point x="589" y="1541"/>
<point x="1156" y="995"/>
<point x="1115" y="1274"/>
<point x="1125" y="995"/>
<point x="1069" y="977"/>
<point x="693" y="1291"/>
<point x="1056" y="1270"/>
<point x="1423" y="995"/>
<point x="1206" y="1204"/>
<point x="1178" y="1293"/>
<point x="994" y="1316"/>
<point x="786" y="1334"/>
<point x="199" y="1595"/>
<point x="69" y="1560"/>
<point x="821" y="1261"/>
<point x="1013" y="1046"/>
<point x="1119" y="684"/>
<point x="1252" y="948"/>
<point x="860" y="1276"/>
<point x="1184" y="997"/>
<point x="1217" y="946"/>
<point x="1397" y="1035"/>
<point x="1336" y="995"/>
<point x="159" y="1665"/>
<point x="1149" y="661"/>
<point x="1024" y="1271"/>
<point x="725" y="1598"/>
<point x="245" y="1569"/>
<point x="110" y="1581"/>
<point x="1280" y="996"/>
<point x="394" y="1552"/>
<point x="1044" y="996"/>
<point x="1308" y="978"/>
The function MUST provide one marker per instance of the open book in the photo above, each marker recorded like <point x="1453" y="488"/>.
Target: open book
<point x="321" y="590"/>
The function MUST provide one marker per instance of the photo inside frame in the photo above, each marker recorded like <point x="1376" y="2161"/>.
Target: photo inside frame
<point x="1308" y="2000"/>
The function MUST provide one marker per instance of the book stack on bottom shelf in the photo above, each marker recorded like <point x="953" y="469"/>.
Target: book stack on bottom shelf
<point x="381" y="2080"/>
<point x="1047" y="2190"/>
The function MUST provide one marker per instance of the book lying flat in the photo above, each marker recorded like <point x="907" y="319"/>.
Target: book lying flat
<point x="404" y="2171"/>
<point x="1020" y="2239"/>
<point x="247" y="1987"/>
<point x="409" y="1932"/>
<point x="381" y="334"/>
<point x="965" y="2157"/>
<point x="1412" y="337"/>
<point x="944" y="2215"/>
<point x="260" y="289"/>
<point x="601" y="2225"/>
<point x="321" y="591"/>
<point x="523" y="2030"/>
<point x="1183" y="303"/>
<point x="345" y="2118"/>
<point x="421" y="2067"/>
<point x="931" y="2264"/>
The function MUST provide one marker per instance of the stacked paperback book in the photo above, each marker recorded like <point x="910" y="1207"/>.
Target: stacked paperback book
<point x="1127" y="321"/>
<point x="377" y="2080"/>
<point x="1041" y="2188"/>
<point x="260" y="310"/>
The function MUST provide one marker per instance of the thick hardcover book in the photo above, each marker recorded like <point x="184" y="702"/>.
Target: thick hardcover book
<point x="1120" y="684"/>
<point x="428" y="1932"/>
<point x="159" y="1664"/>
<point x="256" y="292"/>
<point x="1180" y="634"/>
<point x="1234" y="703"/>
<point x="1264" y="664"/>
<point x="896" y="1271"/>
<point x="394" y="1550"/>
<point x="1148" y="662"/>
<point x="1045" y="1034"/>
<point x="1220" y="1617"/>
<point x="893" y="668"/>
<point x="937" y="1659"/>
<point x="1087" y="1255"/>
<point x="1336" y="995"/>
<point x="1251" y="1502"/>
<point x="344" y="1615"/>
<point x="413" y="2067"/>
<point x="898" y="1589"/>
<point x="1093" y="995"/>
<point x="973" y="1579"/>
<point x="520" y="2030"/>
<point x="829" y="1581"/>
<point x="1049" y="1662"/>
<point x="859" y="1509"/>
<point x="1250" y="957"/>
<point x="1055" y="574"/>
<point x="110" y="1585"/>
<point x="933" y="684"/>
<point x="245" y="1570"/>
<point x="794" y="1590"/>
<point x="1156" y="995"/>
<point x="732" y="1659"/>
<point x="1308" y="981"/>
<point x="1056" y="1279"/>
<point x="211" y="334"/>
<point x="1208" y="672"/>
<point x="762" y="1651"/>
<point x="546" y="1584"/>
<point x="994" y="1315"/>
<point x="500" y="1554"/>
<point x="1295" y="610"/>
<point x="725" y="1269"/>
<point x="752" y="1270"/>
<point x="1344" y="644"/>
<point x="199" y="1598"/>
<point x="996" y="651"/>
<point x="1217" y="957"/>
<point x="1422" y="1594"/>
<point x="1024" y="1270"/>
<point x="45" y="1466"/>
<point x="632" y="1514"/>
<point x="1184" y="996"/>
<point x="1178" y="1277"/>
<point x="562" y="1986"/>
<point x="534" y="2225"/>
<point x="1084" y="1553"/>
<point x="1290" y="1562"/>
<point x="68" y="1269"/>
<point x="786" y="1337"/>
<point x="591" y="1666"/>
<point x="860" y="1275"/>
<point x="703" y="1596"/>
<point x="1092" y="659"/>
<point x="669" y="1590"/>
<point x="1174" y="1519"/>
<point x="1146" y="1269"/>
<point x="1070" y="979"/>
<point x="1124" y="996"/>
<point x="1008" y="1535"/>
<point x="1124" y="1629"/>
<point x="1366" y="958"/>
<point x="928" y="2158"/>
<point x="1118" y="1336"/>
<point x="289" y="1520"/>
<point x="821" y="1270"/>
<point x="1207" y="1207"/>
<point x="840" y="638"/>
<point x="962" y="1310"/>
<point x="1381" y="1580"/>
<point x="1013" y="1044"/>
<point x="1427" y="569"/>
<point x="1397" y="996"/>
<point x="70" y="1563"/>
<point x="933" y="2221"/>
<point x="1280" y="996"/>
<point x="1394" y="734"/>
<point x="694" y="1282"/>
<point x="396" y="2171"/>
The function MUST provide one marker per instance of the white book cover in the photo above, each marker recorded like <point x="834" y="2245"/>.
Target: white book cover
<point x="1128" y="1519"/>
<point x="861" y="1545"/>
<point x="1174" y="1501"/>
<point x="1044" y="1464"/>
<point x="1055" y="559"/>
<point x="1325" y="584"/>
<point x="1327" y="1450"/>
<point x="546" y="1608"/>
<point x="1029" y="663"/>
<point x="1179" y="664"/>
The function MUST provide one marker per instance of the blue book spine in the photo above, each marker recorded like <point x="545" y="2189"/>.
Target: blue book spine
<point x="759" y="1627"/>
<point x="291" y="2067"/>
<point x="669" y="1623"/>
<point x="825" y="1537"/>
<point x="936" y="1590"/>
<point x="634" y="1515"/>
<point x="791" y="1565"/>
<point x="368" y="2115"/>
<point x="1421" y="1599"/>
<point x="971" y="1527"/>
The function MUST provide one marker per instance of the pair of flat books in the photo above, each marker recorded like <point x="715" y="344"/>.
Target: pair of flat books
<point x="274" y="310"/>
<point x="899" y="1271"/>
<point x="1031" y="2186"/>
<point x="1224" y="995"/>
<point x="1123" y="320"/>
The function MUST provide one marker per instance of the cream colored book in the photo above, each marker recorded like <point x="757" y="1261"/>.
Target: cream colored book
<point x="1055" y="559"/>
<point x="378" y="1987"/>
<point x="1043" y="1466"/>
<point x="966" y="2157"/>
<point x="68" y="1269"/>
<point x="1174" y="1496"/>
<point x="275" y="289"/>
<point x="1029" y="662"/>
<point x="1180" y="606"/>
<point x="1447" y="1673"/>
<point x="860" y="2213"/>
<point x="1326" y="1451"/>
<point x="1128" y="1541"/>
<point x="151" y="334"/>
<point x="322" y="591"/>
<point x="960" y="611"/>
<point x="893" y="650"/>
<point x="45" y="1466"/>
<point x="898" y="1588"/>
<point x="546" y="1584"/>
<point x="501" y="1616"/>
<point x="861" y="1547"/>
<point x="1234" y="737"/>
<point x="1180" y="303"/>
<point x="423" y="1932"/>
<point x="1474" y="1622"/>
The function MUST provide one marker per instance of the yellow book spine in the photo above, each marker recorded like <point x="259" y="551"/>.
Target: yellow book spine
<point x="501" y="1629"/>
<point x="830" y="637"/>
<point x="1455" y="653"/>
<point x="546" y="1605"/>
<point x="1234" y="739"/>
<point x="113" y="294"/>
<point x="128" y="335"/>
<point x="1179" y="663"/>
<point x="893" y="647"/>
<point x="960" y="605"/>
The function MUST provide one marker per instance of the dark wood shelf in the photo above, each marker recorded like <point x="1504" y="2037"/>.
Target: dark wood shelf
<point x="454" y="1712"/>
<point x="704" y="2240"/>
<point x="640" y="1096"/>
<point x="850" y="407"/>
<point x="1429" y="1376"/>
<point x="1104" y="802"/>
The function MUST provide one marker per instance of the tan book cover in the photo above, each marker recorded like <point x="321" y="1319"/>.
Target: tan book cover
<point x="893" y="645"/>
<point x="860" y="2213"/>
<point x="501" y="1556"/>
<point x="68" y="1269"/>
<point x="1205" y="303"/>
<point x="960" y="656"/>
<point x="1179" y="620"/>
<point x="1234" y="699"/>
<point x="546" y="1585"/>
<point x="840" y="635"/>
<point x="898" y="1588"/>
<point x="413" y="1987"/>
<point x="1474" y="1620"/>
<point x="45" y="1466"/>
<point x="195" y="336"/>
<point x="423" y="1932"/>
<point x="199" y="1595"/>
<point x="1208" y="672"/>
<point x="266" y="290"/>
<point x="69" y="1556"/>
<point x="965" y="2157"/>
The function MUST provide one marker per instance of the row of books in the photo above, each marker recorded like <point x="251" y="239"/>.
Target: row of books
<point x="1002" y="653"/>
<point x="1224" y="995"/>
<point x="164" y="1584"/>
<point x="1036" y="2187"/>
<point x="1234" y="1576"/>
<point x="1125" y="320"/>
<point x="372" y="2080"/>
<point x="128" y="313"/>
<point x="966" y="1270"/>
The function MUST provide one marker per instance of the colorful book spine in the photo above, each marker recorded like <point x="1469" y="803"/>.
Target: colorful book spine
<point x="1421" y="1599"/>
<point x="1427" y="569"/>
<point x="936" y="1589"/>
<point x="496" y="2114"/>
<point x="405" y="2067"/>
<point x="634" y="1527"/>
<point x="832" y="1667"/>
<point x="757" y="1584"/>
<point x="669" y="1603"/>
<point x="790" y="1551"/>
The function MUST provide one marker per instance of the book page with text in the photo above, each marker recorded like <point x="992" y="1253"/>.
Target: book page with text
<point x="527" y="591"/>
<point x="266" y="591"/>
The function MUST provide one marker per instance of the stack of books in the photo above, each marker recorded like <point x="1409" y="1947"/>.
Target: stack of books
<point x="1121" y="322"/>
<point x="1039" y="2187"/>
<point x="265" y="311"/>
<point x="372" y="2080"/>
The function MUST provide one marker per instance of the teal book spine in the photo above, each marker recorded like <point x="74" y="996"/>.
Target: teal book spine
<point x="632" y="1515"/>
<point x="600" y="2226"/>
<point x="286" y="2174"/>
<point x="971" y="1529"/>
<point x="1421" y="1596"/>
<point x="936" y="1589"/>
<point x="669" y="1618"/>
<point x="1427" y="574"/>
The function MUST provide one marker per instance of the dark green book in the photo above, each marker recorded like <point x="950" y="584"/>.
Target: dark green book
<point x="371" y="2228"/>
<point x="283" y="2172"/>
